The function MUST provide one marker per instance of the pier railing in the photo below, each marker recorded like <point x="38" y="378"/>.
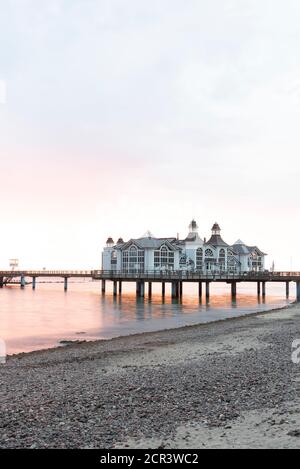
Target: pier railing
<point x="158" y="275"/>
<point x="194" y="275"/>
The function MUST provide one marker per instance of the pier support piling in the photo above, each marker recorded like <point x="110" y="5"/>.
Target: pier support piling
<point x="180" y="289"/>
<point x="103" y="286"/>
<point x="23" y="281"/>
<point x="233" y="290"/>
<point x="264" y="289"/>
<point x="115" y="288"/>
<point x="33" y="283"/>
<point x="163" y="289"/>
<point x="287" y="289"/>
<point x="120" y="287"/>
<point x="175" y="289"/>
<point x="140" y="289"/>
<point x="149" y="289"/>
<point x="298" y="290"/>
<point x="1" y="282"/>
<point x="258" y="288"/>
<point x="207" y="290"/>
<point x="66" y="284"/>
<point x="200" y="290"/>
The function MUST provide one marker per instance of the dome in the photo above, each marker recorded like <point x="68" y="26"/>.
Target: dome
<point x="216" y="227"/>
<point x="120" y="241"/>
<point x="110" y="242"/>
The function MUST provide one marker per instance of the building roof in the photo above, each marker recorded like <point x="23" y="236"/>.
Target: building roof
<point x="216" y="226"/>
<point x="241" y="248"/>
<point x="150" y="243"/>
<point x="216" y="240"/>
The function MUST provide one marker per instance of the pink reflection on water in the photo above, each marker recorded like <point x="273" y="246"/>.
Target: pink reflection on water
<point x="32" y="320"/>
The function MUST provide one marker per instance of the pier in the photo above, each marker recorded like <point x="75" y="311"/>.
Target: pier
<point x="146" y="279"/>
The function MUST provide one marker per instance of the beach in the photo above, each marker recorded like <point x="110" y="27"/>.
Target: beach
<point x="227" y="384"/>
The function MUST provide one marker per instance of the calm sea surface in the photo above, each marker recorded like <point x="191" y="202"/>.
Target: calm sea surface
<point x="32" y="320"/>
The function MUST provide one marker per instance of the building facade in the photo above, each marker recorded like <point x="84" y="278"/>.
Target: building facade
<point x="192" y="253"/>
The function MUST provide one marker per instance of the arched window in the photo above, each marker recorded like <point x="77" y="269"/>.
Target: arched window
<point x="199" y="259"/>
<point x="133" y="260"/>
<point x="209" y="253"/>
<point x="164" y="257"/>
<point x="222" y="257"/>
<point x="113" y="259"/>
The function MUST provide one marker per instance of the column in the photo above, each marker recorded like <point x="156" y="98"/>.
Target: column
<point x="163" y="289"/>
<point x="264" y="289"/>
<point x="175" y="289"/>
<point x="200" y="290"/>
<point x="23" y="281"/>
<point x="233" y="290"/>
<point x="120" y="287"/>
<point x="258" y="288"/>
<point x="103" y="286"/>
<point x="142" y="289"/>
<point x="180" y="289"/>
<point x="287" y="289"/>
<point x="298" y="291"/>
<point x="33" y="283"/>
<point x="207" y="290"/>
<point x="115" y="288"/>
<point x="66" y="284"/>
<point x="150" y="289"/>
<point x="1" y="282"/>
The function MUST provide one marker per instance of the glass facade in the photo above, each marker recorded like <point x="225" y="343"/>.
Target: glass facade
<point x="133" y="260"/>
<point x="164" y="258"/>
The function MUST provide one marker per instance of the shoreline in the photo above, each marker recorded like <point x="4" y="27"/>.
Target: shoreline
<point x="230" y="383"/>
<point x="81" y="343"/>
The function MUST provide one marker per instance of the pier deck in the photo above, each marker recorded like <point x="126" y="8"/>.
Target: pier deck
<point x="176" y="278"/>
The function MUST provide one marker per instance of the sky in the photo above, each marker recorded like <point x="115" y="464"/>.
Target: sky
<point x="120" y="117"/>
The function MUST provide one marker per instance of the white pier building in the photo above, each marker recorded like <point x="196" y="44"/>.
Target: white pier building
<point x="192" y="253"/>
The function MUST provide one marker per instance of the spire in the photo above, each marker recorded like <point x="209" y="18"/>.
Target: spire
<point x="193" y="227"/>
<point x="216" y="230"/>
<point x="216" y="239"/>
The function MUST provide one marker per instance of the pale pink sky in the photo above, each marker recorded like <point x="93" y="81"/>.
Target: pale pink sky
<point x="126" y="116"/>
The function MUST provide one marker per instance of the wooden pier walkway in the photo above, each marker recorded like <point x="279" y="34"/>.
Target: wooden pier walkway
<point x="175" y="278"/>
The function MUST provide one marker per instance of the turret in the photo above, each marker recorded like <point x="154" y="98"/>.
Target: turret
<point x="110" y="242"/>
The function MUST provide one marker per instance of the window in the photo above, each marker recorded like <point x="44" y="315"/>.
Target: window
<point x="209" y="254"/>
<point x="133" y="260"/>
<point x="113" y="259"/>
<point x="199" y="259"/>
<point x="222" y="257"/>
<point x="231" y="262"/>
<point x="256" y="261"/>
<point x="164" y="258"/>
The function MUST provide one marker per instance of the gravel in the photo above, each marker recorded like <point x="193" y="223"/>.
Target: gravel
<point x="96" y="395"/>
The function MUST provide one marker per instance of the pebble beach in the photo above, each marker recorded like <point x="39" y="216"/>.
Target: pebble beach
<point x="229" y="384"/>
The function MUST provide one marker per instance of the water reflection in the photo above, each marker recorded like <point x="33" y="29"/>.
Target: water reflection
<point x="31" y="320"/>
